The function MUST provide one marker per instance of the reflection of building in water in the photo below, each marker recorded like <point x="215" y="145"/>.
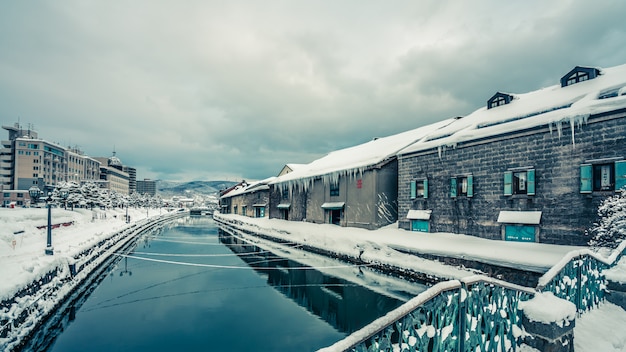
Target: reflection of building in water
<point x="343" y="304"/>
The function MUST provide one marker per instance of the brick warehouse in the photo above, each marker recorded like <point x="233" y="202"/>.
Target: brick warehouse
<point x="528" y="167"/>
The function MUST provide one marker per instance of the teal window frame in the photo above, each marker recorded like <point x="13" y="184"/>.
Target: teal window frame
<point x="419" y="188"/>
<point x="520" y="182"/>
<point x="592" y="175"/>
<point x="461" y="186"/>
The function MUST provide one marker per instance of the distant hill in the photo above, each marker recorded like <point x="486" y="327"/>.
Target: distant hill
<point x="193" y="187"/>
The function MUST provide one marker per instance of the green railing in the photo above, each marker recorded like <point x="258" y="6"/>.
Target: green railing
<point x="480" y="313"/>
<point x="579" y="277"/>
<point x="476" y="313"/>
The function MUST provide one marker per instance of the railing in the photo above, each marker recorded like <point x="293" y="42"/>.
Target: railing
<point x="480" y="313"/>
<point x="476" y="313"/>
<point x="578" y="277"/>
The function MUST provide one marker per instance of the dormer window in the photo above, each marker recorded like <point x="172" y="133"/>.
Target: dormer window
<point x="579" y="74"/>
<point x="499" y="99"/>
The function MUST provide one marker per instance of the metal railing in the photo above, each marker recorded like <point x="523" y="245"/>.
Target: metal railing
<point x="475" y="313"/>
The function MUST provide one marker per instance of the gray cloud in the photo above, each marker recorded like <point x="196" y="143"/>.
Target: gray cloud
<point x="232" y="89"/>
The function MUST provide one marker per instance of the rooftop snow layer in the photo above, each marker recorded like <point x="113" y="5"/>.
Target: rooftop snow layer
<point x="551" y="106"/>
<point x="361" y="156"/>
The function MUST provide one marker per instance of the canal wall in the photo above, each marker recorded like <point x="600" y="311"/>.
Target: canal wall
<point x="236" y="227"/>
<point x="44" y="303"/>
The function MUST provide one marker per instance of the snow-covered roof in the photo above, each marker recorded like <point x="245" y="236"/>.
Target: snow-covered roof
<point x="552" y="106"/>
<point x="249" y="187"/>
<point x="358" y="158"/>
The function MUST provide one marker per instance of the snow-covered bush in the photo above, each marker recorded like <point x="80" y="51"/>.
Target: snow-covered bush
<point x="611" y="228"/>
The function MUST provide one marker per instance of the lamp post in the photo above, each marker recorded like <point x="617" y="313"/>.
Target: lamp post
<point x="63" y="193"/>
<point x="49" y="248"/>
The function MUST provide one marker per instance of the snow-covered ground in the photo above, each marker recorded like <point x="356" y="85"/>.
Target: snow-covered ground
<point x="22" y="243"/>
<point x="22" y="257"/>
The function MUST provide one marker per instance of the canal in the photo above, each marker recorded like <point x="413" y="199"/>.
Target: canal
<point x="192" y="287"/>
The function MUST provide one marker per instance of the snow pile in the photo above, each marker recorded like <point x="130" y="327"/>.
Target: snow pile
<point x="546" y="308"/>
<point x="383" y="244"/>
<point x="618" y="272"/>
<point x="22" y="243"/>
<point x="601" y="329"/>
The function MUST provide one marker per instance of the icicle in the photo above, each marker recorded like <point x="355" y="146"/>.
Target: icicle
<point x="571" y="125"/>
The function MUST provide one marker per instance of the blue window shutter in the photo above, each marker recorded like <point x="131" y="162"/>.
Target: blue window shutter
<point x="425" y="188"/>
<point x="452" y="187"/>
<point x="530" y="182"/>
<point x="508" y="183"/>
<point x="620" y="175"/>
<point x="413" y="189"/>
<point x="470" y="186"/>
<point x="586" y="178"/>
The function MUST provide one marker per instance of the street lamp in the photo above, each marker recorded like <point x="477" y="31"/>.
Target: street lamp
<point x="34" y="192"/>
<point x="49" y="249"/>
<point x="63" y="193"/>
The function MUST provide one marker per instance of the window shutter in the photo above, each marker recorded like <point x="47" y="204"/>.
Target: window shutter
<point x="413" y="189"/>
<point x="586" y="177"/>
<point x="530" y="182"/>
<point x="425" y="188"/>
<point x="508" y="183"/>
<point x="452" y="187"/>
<point x="470" y="186"/>
<point x="620" y="175"/>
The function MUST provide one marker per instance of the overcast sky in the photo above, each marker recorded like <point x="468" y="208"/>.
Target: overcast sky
<point x="208" y="90"/>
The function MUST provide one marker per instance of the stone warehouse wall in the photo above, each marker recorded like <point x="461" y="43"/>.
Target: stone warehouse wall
<point x="566" y="213"/>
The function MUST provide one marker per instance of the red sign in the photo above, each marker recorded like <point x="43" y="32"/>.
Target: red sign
<point x="359" y="183"/>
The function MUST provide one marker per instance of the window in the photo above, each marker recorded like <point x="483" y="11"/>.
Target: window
<point x="519" y="182"/>
<point x="497" y="102"/>
<point x="7" y="195"/>
<point x="419" y="188"/>
<point x="602" y="176"/>
<point x="462" y="186"/>
<point x="285" y="193"/>
<point x="577" y="77"/>
<point x="244" y="210"/>
<point x="20" y="195"/>
<point x="334" y="189"/>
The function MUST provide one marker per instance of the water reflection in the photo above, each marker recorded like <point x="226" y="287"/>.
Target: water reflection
<point x="340" y="301"/>
<point x="184" y="287"/>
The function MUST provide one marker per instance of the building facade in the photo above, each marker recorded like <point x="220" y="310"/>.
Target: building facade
<point x="520" y="171"/>
<point x="146" y="186"/>
<point x="247" y="199"/>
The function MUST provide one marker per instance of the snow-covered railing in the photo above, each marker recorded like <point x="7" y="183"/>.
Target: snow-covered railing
<point x="578" y="277"/>
<point x="475" y="313"/>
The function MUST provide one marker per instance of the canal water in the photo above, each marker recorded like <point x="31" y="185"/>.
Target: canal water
<point x="192" y="287"/>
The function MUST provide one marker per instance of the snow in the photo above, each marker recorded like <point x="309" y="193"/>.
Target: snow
<point x="354" y="160"/>
<point x="419" y="214"/>
<point x="601" y="329"/>
<point x="546" y="308"/>
<point x="519" y="217"/>
<point x="22" y="244"/>
<point x="618" y="272"/>
<point x="552" y="107"/>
